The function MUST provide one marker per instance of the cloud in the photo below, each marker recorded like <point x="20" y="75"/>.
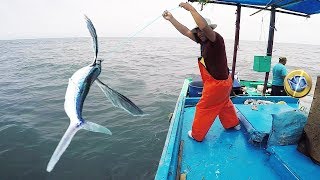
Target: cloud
<point x="112" y="18"/>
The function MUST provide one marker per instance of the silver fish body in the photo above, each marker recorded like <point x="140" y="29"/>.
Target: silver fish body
<point x="78" y="89"/>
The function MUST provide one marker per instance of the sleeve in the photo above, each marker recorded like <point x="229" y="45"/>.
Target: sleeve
<point x="284" y="71"/>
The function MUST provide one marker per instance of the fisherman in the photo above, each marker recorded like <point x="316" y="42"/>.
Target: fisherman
<point x="217" y="82"/>
<point x="279" y="72"/>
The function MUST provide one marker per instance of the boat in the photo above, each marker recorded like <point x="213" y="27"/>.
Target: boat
<point x="253" y="87"/>
<point x="249" y="153"/>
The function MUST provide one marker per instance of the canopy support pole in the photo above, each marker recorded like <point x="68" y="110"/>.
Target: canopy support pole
<point x="270" y="44"/>
<point x="255" y="7"/>
<point x="236" y="41"/>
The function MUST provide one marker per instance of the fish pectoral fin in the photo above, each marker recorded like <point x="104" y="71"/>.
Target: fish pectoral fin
<point x="119" y="100"/>
<point x="90" y="126"/>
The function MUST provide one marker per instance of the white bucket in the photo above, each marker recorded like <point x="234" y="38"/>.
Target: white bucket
<point x="260" y="88"/>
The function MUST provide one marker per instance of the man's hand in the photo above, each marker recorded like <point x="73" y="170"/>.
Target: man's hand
<point x="187" y="6"/>
<point x="167" y="15"/>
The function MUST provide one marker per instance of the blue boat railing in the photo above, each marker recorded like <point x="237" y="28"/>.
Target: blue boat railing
<point x="168" y="162"/>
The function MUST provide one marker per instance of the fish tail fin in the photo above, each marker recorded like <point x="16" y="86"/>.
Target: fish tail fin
<point x="94" y="36"/>
<point x="67" y="137"/>
<point x="62" y="146"/>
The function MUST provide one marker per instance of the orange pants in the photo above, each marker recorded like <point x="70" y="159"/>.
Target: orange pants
<point x="215" y="100"/>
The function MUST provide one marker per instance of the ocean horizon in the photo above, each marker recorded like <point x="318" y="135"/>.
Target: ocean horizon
<point x="161" y="37"/>
<point x="150" y="71"/>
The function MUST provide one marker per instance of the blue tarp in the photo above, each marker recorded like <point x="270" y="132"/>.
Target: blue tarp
<point x="287" y="128"/>
<point x="308" y="7"/>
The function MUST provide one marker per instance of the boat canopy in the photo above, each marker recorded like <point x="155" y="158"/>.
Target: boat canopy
<point x="307" y="7"/>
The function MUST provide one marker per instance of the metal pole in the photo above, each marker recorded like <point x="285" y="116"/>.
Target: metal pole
<point x="255" y="7"/>
<point x="270" y="44"/>
<point x="236" y="41"/>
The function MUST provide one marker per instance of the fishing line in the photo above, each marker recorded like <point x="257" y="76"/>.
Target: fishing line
<point x="134" y="34"/>
<point x="263" y="34"/>
<point x="140" y="30"/>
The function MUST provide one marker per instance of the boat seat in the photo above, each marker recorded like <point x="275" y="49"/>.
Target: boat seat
<point x="258" y="121"/>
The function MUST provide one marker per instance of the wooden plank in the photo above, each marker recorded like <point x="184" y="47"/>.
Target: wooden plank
<point x="178" y="176"/>
<point x="183" y="176"/>
<point x="310" y="141"/>
<point x="169" y="151"/>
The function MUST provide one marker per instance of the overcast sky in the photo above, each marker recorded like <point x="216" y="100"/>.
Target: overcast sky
<point x="21" y="19"/>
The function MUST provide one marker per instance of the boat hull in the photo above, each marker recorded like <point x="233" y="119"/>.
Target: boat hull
<point x="228" y="154"/>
